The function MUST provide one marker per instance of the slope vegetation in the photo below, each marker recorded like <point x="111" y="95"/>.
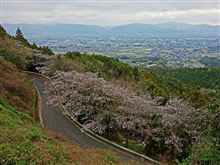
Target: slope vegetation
<point x="137" y="78"/>
<point x="22" y="138"/>
<point x="197" y="77"/>
<point x="146" y="112"/>
<point x="16" y="88"/>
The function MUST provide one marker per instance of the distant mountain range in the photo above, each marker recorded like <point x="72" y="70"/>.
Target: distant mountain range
<point x="147" y="30"/>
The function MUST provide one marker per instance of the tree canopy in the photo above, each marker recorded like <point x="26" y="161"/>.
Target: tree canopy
<point x="19" y="33"/>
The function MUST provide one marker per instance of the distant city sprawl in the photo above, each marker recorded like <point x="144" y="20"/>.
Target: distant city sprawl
<point x="144" y="52"/>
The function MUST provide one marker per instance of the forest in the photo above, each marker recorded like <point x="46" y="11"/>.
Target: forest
<point x="196" y="77"/>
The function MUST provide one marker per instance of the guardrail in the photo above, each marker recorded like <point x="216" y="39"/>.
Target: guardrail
<point x="90" y="133"/>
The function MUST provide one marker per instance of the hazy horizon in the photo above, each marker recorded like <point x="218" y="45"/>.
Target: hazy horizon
<point x="105" y="26"/>
<point x="110" y="12"/>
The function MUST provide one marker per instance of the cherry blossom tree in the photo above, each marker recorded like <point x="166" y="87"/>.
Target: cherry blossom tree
<point x="104" y="106"/>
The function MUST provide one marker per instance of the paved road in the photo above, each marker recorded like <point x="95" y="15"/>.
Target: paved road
<point x="55" y="121"/>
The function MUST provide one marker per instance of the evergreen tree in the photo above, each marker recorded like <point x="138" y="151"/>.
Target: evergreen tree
<point x="19" y="34"/>
<point x="2" y="31"/>
<point x="21" y="38"/>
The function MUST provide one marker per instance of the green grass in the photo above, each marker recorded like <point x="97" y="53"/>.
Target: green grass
<point x="23" y="141"/>
<point x="135" y="146"/>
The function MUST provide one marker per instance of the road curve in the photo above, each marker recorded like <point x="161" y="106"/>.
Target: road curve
<point x="55" y="121"/>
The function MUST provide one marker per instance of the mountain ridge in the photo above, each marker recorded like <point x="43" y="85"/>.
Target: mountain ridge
<point x="171" y="29"/>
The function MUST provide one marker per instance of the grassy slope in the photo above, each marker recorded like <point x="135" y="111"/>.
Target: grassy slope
<point x="15" y="51"/>
<point x="24" y="142"/>
<point x="16" y="88"/>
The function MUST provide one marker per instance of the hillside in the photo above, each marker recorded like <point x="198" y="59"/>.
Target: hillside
<point x="202" y="77"/>
<point x="22" y="138"/>
<point x="138" y="109"/>
<point x="137" y="78"/>
<point x="110" y="98"/>
<point x="16" y="89"/>
<point x="25" y="142"/>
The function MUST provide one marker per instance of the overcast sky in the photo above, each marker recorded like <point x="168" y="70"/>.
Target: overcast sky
<point x="110" y="12"/>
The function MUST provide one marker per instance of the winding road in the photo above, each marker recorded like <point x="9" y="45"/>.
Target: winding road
<point x="54" y="120"/>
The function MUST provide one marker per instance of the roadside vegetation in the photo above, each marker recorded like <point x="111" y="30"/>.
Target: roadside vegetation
<point x="152" y="114"/>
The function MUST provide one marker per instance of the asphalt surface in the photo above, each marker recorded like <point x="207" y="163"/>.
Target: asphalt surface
<point x="55" y="121"/>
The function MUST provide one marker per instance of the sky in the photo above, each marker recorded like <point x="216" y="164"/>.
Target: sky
<point x="110" y="12"/>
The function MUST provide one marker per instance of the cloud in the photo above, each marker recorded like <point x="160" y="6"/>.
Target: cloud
<point x="111" y="12"/>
